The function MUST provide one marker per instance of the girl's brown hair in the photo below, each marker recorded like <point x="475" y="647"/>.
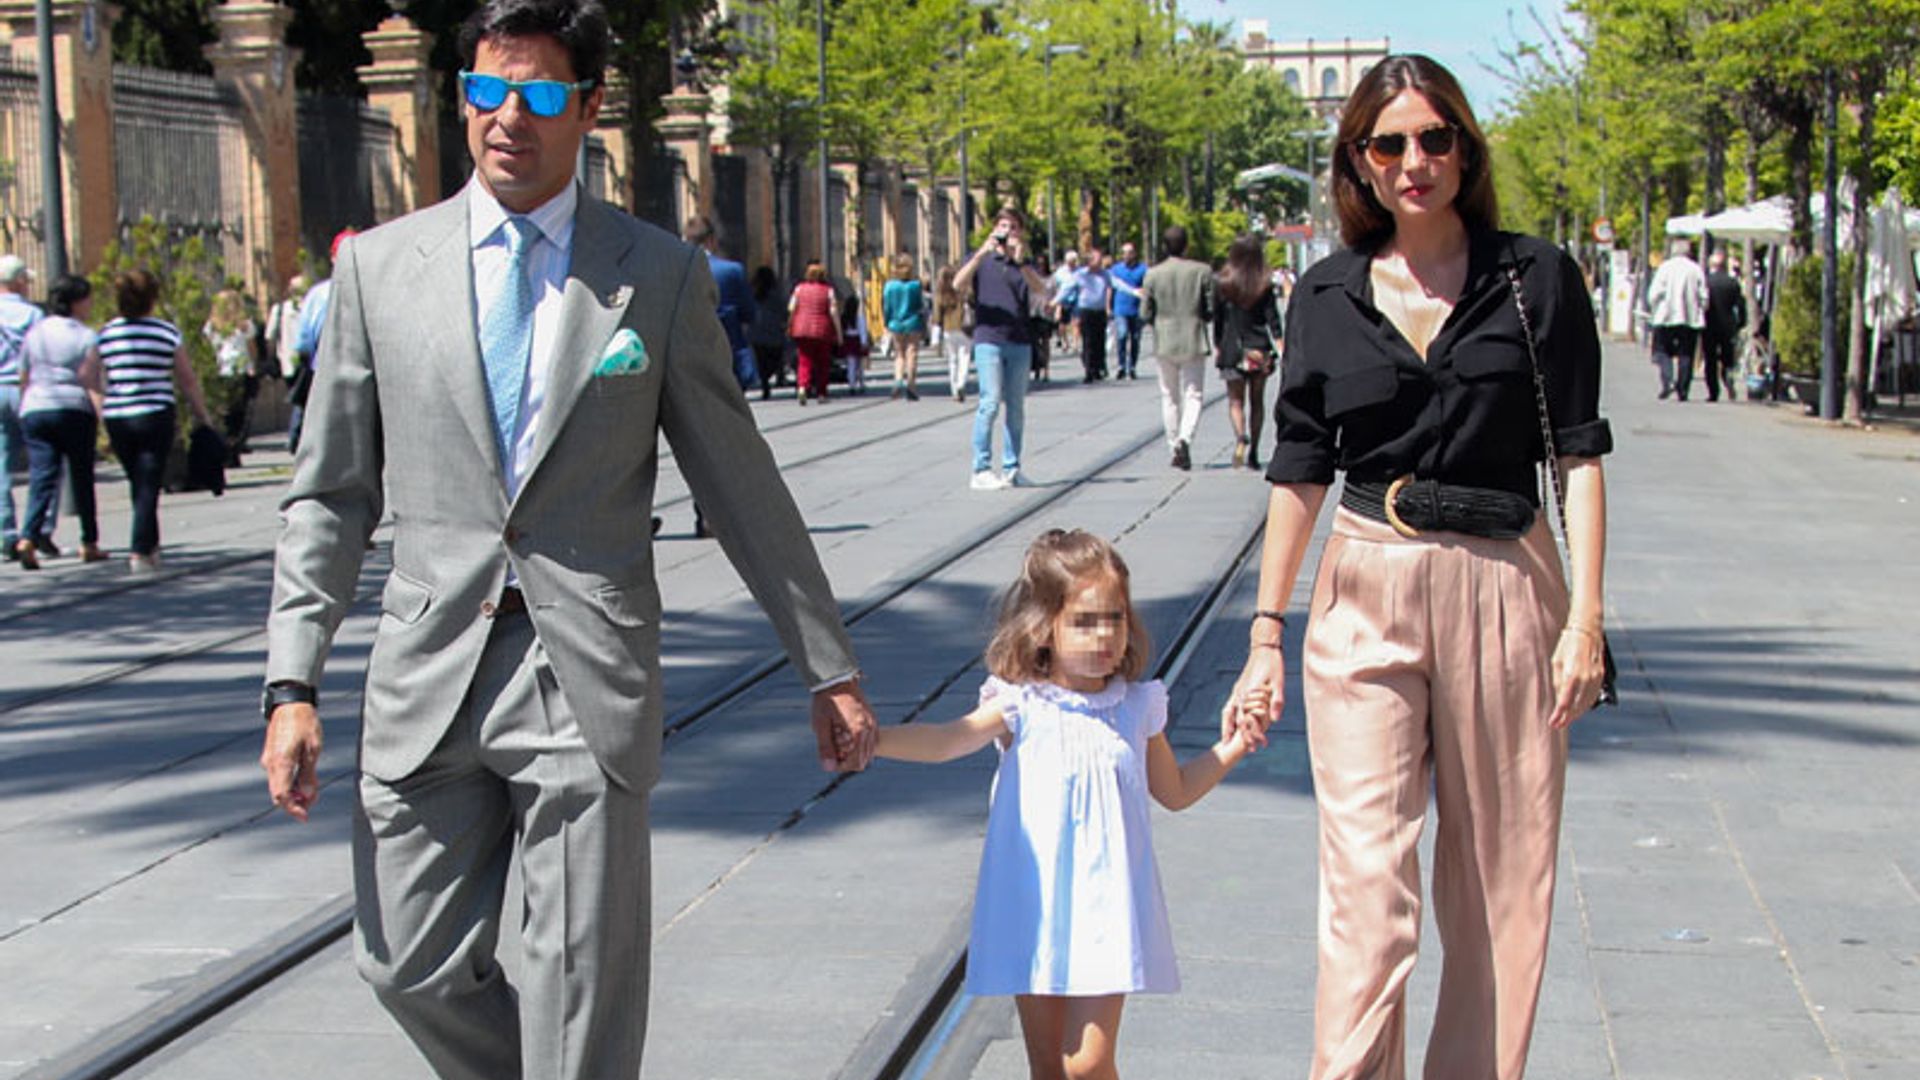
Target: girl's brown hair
<point x="1056" y="563"/>
<point x="903" y="267"/>
<point x="1245" y="278"/>
<point x="1364" y="223"/>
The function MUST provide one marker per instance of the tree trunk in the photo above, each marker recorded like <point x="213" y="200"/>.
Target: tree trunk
<point x="1859" y="347"/>
<point x="1716" y="130"/>
<point x="1089" y="219"/>
<point x="1800" y="179"/>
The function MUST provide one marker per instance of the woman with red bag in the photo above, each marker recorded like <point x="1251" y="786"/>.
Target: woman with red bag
<point x="1246" y="333"/>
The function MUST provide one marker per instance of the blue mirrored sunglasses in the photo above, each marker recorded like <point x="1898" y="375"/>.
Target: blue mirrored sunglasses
<point x="542" y="97"/>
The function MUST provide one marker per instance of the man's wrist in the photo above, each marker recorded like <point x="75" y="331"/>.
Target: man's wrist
<point x="286" y="692"/>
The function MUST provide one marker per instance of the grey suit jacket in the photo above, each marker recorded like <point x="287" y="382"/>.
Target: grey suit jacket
<point x="1177" y="297"/>
<point x="398" y="423"/>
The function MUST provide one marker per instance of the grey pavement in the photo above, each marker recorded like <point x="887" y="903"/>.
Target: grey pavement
<point x="1738" y="871"/>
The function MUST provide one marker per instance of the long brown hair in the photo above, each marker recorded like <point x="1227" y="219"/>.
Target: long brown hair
<point x="1022" y="645"/>
<point x="1245" y="278"/>
<point x="1364" y="223"/>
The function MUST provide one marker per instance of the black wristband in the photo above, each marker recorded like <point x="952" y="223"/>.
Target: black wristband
<point x="286" y="693"/>
<point x="1276" y="616"/>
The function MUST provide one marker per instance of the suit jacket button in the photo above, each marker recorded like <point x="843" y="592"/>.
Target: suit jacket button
<point x="486" y="609"/>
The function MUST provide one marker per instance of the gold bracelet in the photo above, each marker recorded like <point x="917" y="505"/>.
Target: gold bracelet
<point x="1274" y="645"/>
<point x="1590" y="631"/>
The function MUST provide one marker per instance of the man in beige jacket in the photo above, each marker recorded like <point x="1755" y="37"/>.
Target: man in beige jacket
<point x="1177" y="298"/>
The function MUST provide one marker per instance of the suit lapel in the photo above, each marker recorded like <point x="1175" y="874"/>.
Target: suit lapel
<point x="446" y="270"/>
<point x="597" y="292"/>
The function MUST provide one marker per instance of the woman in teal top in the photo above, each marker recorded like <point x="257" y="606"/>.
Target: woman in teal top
<point x="903" y="304"/>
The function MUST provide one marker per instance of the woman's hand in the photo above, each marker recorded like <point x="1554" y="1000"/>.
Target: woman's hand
<point x="1578" y="671"/>
<point x="1258" y="698"/>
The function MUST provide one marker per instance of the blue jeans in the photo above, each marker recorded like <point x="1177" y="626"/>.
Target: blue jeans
<point x="12" y="448"/>
<point x="56" y="436"/>
<point x="1002" y="370"/>
<point x="1126" y="342"/>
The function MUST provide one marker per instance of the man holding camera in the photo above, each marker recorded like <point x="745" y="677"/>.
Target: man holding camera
<point x="1004" y="283"/>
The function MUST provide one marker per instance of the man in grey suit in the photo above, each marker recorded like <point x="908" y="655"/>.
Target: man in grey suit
<point x="1177" y="298"/>
<point x="493" y="378"/>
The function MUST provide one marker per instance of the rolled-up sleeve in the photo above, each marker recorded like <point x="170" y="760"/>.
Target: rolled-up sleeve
<point x="1303" y="450"/>
<point x="1570" y="357"/>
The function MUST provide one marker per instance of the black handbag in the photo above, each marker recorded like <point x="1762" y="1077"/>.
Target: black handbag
<point x="1609" y="691"/>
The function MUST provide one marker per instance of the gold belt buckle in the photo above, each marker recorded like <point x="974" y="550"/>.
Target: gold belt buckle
<point x="1393" y="515"/>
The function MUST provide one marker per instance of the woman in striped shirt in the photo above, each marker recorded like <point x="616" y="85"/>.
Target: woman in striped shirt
<point x="144" y="358"/>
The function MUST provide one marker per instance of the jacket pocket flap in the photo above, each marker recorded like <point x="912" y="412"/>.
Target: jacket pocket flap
<point x="629" y="605"/>
<point x="1357" y="389"/>
<point x="404" y="598"/>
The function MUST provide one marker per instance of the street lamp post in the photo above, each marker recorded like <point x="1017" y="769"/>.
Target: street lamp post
<point x="820" y="31"/>
<point x="1050" y="52"/>
<point x="52" y="197"/>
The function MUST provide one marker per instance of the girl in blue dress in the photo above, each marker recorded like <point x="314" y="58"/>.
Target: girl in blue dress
<point x="1068" y="915"/>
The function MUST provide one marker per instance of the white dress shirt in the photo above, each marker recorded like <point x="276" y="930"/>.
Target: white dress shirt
<point x="548" y="261"/>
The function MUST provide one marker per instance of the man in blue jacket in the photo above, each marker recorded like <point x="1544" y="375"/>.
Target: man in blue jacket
<point x="736" y="297"/>
<point x="1127" y="276"/>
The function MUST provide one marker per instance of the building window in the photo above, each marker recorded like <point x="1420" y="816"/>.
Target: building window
<point x="1330" y="83"/>
<point x="1292" y="78"/>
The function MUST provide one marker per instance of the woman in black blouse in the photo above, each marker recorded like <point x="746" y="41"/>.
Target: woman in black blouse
<point x="1443" y="651"/>
<point x="1246" y="329"/>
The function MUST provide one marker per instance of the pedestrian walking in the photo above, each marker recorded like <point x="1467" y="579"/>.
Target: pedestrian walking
<point x="904" y="305"/>
<point x="1062" y="298"/>
<point x="1726" y="318"/>
<point x="767" y="333"/>
<point x="1177" y="297"/>
<point x="1068" y="913"/>
<point x="60" y="397"/>
<point x="1246" y="341"/>
<point x="814" y="326"/>
<point x="145" y="359"/>
<point x="856" y="343"/>
<point x="231" y="333"/>
<point x="953" y="320"/>
<point x="1127" y="277"/>
<point x="1676" y="313"/>
<point x="499" y="371"/>
<point x="1444" y="652"/>
<point x="1002" y="283"/>
<point x="17" y="316"/>
<point x="1040" y="309"/>
<point x="735" y="303"/>
<point x="1092" y="302"/>
<point x="313" y="323"/>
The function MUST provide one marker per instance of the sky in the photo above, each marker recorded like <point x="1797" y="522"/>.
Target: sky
<point x="1465" y="35"/>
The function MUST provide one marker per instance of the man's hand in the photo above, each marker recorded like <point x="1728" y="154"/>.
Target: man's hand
<point x="291" y="758"/>
<point x="843" y="728"/>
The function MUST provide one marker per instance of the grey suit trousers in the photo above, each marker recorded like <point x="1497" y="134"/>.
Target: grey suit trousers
<point x="431" y="857"/>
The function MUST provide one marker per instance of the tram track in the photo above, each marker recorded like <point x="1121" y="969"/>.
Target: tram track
<point x="41" y="607"/>
<point x="133" y="1040"/>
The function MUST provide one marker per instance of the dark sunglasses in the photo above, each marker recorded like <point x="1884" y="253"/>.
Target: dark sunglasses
<point x="1384" y="150"/>
<point x="542" y="97"/>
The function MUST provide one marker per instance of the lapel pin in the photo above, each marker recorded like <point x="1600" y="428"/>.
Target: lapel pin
<point x="619" y="295"/>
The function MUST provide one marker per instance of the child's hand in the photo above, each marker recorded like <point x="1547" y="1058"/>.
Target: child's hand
<point x="1256" y="704"/>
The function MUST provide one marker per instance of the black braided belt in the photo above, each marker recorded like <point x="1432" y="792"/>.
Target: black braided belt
<point x="1414" y="506"/>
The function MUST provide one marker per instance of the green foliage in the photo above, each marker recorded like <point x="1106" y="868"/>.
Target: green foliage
<point x="1796" y="316"/>
<point x="1898" y="160"/>
<point x="1208" y="234"/>
<point x="189" y="275"/>
<point x="1263" y="125"/>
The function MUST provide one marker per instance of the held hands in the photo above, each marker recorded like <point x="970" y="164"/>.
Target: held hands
<point x="1578" y="671"/>
<point x="1258" y="699"/>
<point x="843" y="728"/>
<point x="291" y="758"/>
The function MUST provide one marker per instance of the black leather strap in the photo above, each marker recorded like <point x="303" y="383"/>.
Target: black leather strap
<point x="1430" y="506"/>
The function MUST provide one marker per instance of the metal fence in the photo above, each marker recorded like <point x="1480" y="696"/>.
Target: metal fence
<point x="180" y="158"/>
<point x="730" y="205"/>
<point x="939" y="251"/>
<point x="21" y="206"/>
<point x="346" y="168"/>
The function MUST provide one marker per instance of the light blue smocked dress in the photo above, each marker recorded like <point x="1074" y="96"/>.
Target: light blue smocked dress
<point x="1069" y="898"/>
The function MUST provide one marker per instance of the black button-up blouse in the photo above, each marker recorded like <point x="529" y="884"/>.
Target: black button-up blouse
<point x="1355" y="396"/>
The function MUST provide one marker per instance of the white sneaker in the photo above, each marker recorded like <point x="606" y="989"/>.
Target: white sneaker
<point x="1015" y="478"/>
<point x="985" y="480"/>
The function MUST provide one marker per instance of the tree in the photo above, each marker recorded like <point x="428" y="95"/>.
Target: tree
<point x="1264" y="125"/>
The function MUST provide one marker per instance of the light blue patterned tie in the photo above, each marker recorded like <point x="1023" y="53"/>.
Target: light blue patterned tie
<point x="506" y="337"/>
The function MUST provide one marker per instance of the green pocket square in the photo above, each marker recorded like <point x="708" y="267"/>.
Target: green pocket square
<point x="626" y="354"/>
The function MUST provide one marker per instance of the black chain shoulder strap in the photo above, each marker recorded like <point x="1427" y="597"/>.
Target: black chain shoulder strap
<point x="1609" y="692"/>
